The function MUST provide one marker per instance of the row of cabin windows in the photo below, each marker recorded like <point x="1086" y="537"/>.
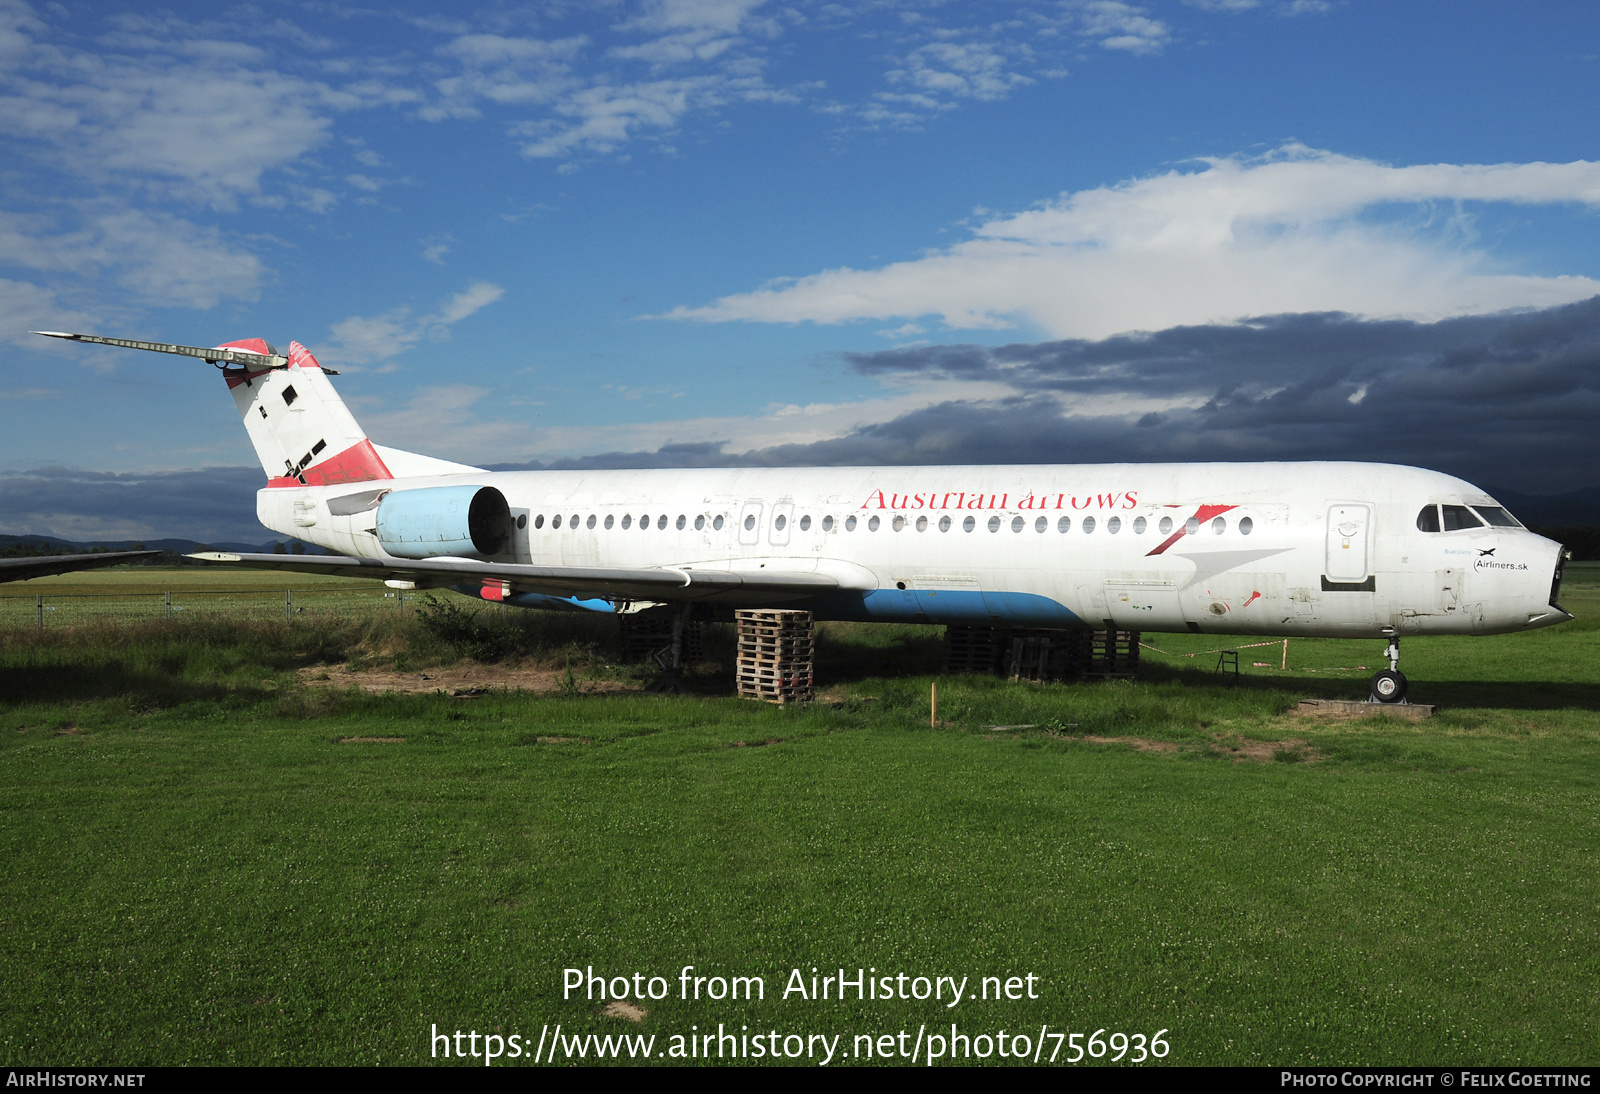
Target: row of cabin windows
<point x="1458" y="518"/>
<point x="1112" y="525"/>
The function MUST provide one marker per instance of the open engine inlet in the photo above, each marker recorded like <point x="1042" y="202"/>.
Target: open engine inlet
<point x="444" y="521"/>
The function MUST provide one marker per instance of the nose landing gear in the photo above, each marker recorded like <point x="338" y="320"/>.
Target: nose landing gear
<point x="1389" y="686"/>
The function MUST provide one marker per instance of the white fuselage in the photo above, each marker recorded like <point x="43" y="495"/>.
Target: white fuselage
<point x="1331" y="549"/>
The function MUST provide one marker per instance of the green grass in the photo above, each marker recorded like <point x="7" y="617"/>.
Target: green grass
<point x="200" y="871"/>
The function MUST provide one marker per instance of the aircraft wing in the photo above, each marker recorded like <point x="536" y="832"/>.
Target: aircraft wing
<point x="21" y="569"/>
<point x="654" y="583"/>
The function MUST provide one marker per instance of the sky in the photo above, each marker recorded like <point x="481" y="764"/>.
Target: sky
<point x="703" y="232"/>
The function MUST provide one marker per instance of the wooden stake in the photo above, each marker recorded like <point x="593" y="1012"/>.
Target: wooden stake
<point x="1285" y="654"/>
<point x="933" y="706"/>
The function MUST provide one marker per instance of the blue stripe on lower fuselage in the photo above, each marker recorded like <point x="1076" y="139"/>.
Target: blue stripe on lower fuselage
<point x="967" y="607"/>
<point x="962" y="607"/>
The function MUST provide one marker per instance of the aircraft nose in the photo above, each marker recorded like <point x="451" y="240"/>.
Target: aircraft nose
<point x="1552" y="612"/>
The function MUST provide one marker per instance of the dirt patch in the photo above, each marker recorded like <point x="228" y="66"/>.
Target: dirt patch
<point x="618" y="1009"/>
<point x="563" y="740"/>
<point x="69" y="730"/>
<point x="755" y="744"/>
<point x="1138" y="744"/>
<point x="372" y="740"/>
<point x="462" y="681"/>
<point x="1237" y="749"/>
<point x="1288" y="750"/>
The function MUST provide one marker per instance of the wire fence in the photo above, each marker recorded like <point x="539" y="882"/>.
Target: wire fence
<point x="48" y="610"/>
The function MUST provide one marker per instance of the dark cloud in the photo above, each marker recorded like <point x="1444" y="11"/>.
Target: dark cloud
<point x="1501" y="399"/>
<point x="213" y="505"/>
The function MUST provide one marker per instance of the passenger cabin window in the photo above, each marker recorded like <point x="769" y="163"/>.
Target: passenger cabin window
<point x="1458" y="518"/>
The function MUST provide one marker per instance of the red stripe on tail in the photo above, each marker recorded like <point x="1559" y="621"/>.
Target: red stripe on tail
<point x="358" y="463"/>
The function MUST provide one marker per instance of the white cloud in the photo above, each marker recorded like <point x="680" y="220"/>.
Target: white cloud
<point x="972" y="70"/>
<point x="603" y="118"/>
<point x="182" y="110"/>
<point x="473" y="299"/>
<point x="1123" y="26"/>
<point x="1288" y="232"/>
<point x="439" y="421"/>
<point x="778" y="424"/>
<point x="435" y="247"/>
<point x="715" y="15"/>
<point x="366" y="340"/>
<point x="25" y="306"/>
<point x="156" y="257"/>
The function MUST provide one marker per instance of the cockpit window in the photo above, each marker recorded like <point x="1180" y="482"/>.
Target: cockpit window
<point x="1496" y="516"/>
<point x="1459" y="517"/>
<point x="1428" y="519"/>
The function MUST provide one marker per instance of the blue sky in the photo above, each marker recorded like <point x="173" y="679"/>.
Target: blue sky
<point x="728" y="231"/>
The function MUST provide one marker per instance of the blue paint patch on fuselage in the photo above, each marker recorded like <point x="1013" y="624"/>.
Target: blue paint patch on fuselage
<point x="962" y="607"/>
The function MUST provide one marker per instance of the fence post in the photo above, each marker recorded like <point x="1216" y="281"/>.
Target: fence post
<point x="38" y="612"/>
<point x="288" y="605"/>
<point x="168" y="604"/>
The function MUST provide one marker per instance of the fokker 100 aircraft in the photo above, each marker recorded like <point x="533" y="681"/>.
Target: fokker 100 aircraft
<point x="1334" y="550"/>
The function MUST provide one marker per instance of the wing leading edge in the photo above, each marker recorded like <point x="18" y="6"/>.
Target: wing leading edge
<point x="667" y="583"/>
<point x="21" y="569"/>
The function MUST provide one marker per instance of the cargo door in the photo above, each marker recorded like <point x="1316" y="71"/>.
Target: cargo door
<point x="1144" y="605"/>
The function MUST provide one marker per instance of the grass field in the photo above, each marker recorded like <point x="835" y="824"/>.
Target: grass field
<point x="211" y="862"/>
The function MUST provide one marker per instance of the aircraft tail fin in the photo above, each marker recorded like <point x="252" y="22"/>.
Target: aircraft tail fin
<point x="302" y="432"/>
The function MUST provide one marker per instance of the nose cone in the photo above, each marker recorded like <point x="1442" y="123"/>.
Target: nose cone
<point x="1550" y="612"/>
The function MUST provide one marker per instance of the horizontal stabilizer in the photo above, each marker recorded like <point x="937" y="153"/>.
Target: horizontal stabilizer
<point x="211" y="354"/>
<point x="660" y="584"/>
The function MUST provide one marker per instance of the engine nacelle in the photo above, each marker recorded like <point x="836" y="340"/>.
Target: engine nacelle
<point x="461" y="521"/>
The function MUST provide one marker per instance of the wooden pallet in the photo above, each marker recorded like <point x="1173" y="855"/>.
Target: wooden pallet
<point x="776" y="653"/>
<point x="644" y="634"/>
<point x="973" y="651"/>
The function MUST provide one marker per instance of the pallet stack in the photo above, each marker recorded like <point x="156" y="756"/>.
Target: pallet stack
<point x="776" y="652"/>
<point x="644" y="634"/>
<point x="973" y="651"/>
<point x="1040" y="654"/>
<point x="1113" y="655"/>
